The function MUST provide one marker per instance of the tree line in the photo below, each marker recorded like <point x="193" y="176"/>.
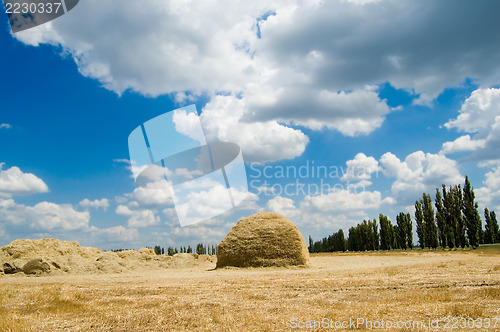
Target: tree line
<point x="200" y="250"/>
<point x="452" y="220"/>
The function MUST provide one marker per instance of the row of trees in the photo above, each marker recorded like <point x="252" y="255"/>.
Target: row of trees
<point x="369" y="235"/>
<point x="452" y="220"/>
<point x="456" y="221"/>
<point x="200" y="250"/>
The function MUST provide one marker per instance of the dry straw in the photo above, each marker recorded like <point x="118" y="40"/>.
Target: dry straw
<point x="261" y="240"/>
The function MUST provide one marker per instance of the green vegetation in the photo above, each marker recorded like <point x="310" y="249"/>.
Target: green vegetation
<point x="455" y="222"/>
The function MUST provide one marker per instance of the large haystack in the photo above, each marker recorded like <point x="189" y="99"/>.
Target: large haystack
<point x="263" y="239"/>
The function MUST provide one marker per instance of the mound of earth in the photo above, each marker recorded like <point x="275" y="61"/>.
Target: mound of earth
<point x="261" y="240"/>
<point x="51" y="256"/>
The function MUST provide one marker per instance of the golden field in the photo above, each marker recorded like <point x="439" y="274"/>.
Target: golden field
<point x="405" y="287"/>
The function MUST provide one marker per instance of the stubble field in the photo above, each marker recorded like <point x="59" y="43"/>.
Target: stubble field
<point x="338" y="291"/>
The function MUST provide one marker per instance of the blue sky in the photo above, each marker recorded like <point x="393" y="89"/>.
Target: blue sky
<point x="401" y="96"/>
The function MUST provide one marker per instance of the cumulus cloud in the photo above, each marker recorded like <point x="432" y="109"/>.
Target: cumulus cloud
<point x="478" y="111"/>
<point x="337" y="209"/>
<point x="489" y="194"/>
<point x="420" y="172"/>
<point x="14" y="182"/>
<point x="333" y="45"/>
<point x="303" y="63"/>
<point x="189" y="125"/>
<point x="155" y="196"/>
<point x="155" y="47"/>
<point x="259" y="141"/>
<point x="480" y="116"/>
<point x="202" y="200"/>
<point x="463" y="144"/>
<point x="343" y="201"/>
<point x="342" y="45"/>
<point x="354" y="113"/>
<point x="43" y="216"/>
<point x="138" y="218"/>
<point x="283" y="205"/>
<point x="116" y="233"/>
<point x="360" y="168"/>
<point x="193" y="234"/>
<point x="5" y="126"/>
<point x="102" y="203"/>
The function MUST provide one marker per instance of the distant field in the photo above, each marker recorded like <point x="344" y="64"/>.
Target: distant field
<point x="404" y="287"/>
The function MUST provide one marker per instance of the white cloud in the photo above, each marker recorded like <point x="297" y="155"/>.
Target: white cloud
<point x="478" y="111"/>
<point x="102" y="203"/>
<point x="360" y="168"/>
<point x="479" y="115"/>
<point x="355" y="113"/>
<point x="14" y="182"/>
<point x="138" y="218"/>
<point x="343" y="201"/>
<point x="189" y="125"/>
<point x="249" y="203"/>
<point x="204" y="203"/>
<point x="462" y="144"/>
<point x="489" y="194"/>
<point x="314" y="64"/>
<point x="156" y="47"/>
<point x="334" y="210"/>
<point x="5" y="126"/>
<point x="259" y="141"/>
<point x="153" y="194"/>
<point x="265" y="190"/>
<point x="419" y="173"/>
<point x="283" y="205"/>
<point x="124" y="161"/>
<point x="49" y="216"/>
<point x="42" y="34"/>
<point x="116" y="233"/>
<point x="340" y="45"/>
<point x="198" y="233"/>
<point x="43" y="216"/>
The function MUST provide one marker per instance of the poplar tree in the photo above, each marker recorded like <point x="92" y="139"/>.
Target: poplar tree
<point x="449" y="219"/>
<point x="491" y="227"/>
<point x="419" y="220"/>
<point x="430" y="223"/>
<point x="339" y="241"/>
<point x="374" y="235"/>
<point x="386" y="233"/>
<point x="405" y="230"/>
<point x="458" y="206"/>
<point x="471" y="214"/>
<point x="353" y="239"/>
<point x="440" y="219"/>
<point x="409" y="231"/>
<point x="494" y="222"/>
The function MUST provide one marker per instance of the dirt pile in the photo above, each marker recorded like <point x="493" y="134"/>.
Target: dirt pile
<point x="263" y="239"/>
<point x="51" y="256"/>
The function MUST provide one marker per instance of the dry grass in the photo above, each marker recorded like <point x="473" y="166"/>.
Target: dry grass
<point x="390" y="286"/>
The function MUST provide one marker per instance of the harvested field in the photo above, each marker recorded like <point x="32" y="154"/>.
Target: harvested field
<point x="390" y="286"/>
